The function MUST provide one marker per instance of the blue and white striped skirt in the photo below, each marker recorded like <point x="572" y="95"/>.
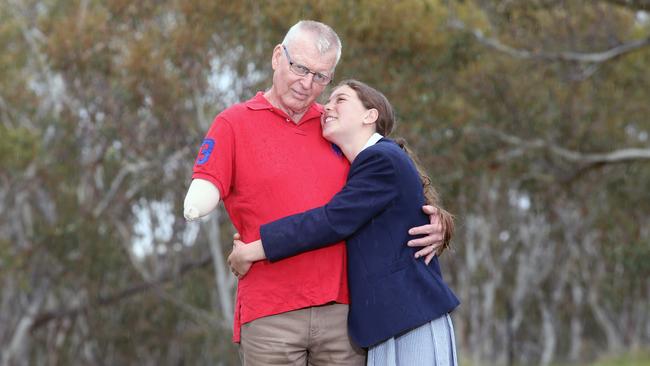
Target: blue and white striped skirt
<point x="430" y="344"/>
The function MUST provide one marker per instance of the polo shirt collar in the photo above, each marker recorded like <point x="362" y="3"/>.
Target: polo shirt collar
<point x="314" y="111"/>
<point x="259" y="102"/>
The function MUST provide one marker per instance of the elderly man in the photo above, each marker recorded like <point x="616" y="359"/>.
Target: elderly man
<point x="266" y="159"/>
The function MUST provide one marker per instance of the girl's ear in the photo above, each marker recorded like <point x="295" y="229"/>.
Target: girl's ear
<point x="370" y="116"/>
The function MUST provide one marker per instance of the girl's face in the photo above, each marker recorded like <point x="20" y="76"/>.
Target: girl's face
<point x="344" y="115"/>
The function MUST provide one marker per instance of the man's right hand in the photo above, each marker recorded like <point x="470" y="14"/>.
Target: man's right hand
<point x="238" y="261"/>
<point x="438" y="233"/>
<point x="244" y="255"/>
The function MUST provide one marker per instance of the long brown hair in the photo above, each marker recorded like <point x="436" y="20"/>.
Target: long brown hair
<point x="372" y="98"/>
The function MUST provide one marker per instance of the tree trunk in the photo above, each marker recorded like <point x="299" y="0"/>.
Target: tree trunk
<point x="224" y="279"/>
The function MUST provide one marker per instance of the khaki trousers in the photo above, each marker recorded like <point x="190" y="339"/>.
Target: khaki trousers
<point x="315" y="336"/>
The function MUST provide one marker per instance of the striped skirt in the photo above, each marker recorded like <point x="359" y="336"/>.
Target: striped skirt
<point x="430" y="344"/>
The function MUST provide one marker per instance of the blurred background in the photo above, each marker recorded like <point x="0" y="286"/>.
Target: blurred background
<point x="532" y="118"/>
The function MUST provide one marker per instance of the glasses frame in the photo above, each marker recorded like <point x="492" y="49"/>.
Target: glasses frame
<point x="302" y="70"/>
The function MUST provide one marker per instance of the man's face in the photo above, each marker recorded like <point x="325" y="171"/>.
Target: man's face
<point x="296" y="93"/>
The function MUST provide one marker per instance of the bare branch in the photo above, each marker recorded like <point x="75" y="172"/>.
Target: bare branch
<point x="616" y="156"/>
<point x="117" y="182"/>
<point x="142" y="287"/>
<point x="202" y="317"/>
<point x="20" y="335"/>
<point x="595" y="57"/>
<point x="121" y="176"/>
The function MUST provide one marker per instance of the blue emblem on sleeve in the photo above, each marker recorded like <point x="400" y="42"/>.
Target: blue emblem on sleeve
<point x="206" y="149"/>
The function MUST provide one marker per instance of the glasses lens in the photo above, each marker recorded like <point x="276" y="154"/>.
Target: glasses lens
<point x="299" y="69"/>
<point x="304" y="71"/>
<point x="321" y="79"/>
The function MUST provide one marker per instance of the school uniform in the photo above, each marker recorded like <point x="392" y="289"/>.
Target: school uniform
<point x="392" y="294"/>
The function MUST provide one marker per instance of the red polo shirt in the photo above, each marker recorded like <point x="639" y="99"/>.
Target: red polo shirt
<point x="267" y="167"/>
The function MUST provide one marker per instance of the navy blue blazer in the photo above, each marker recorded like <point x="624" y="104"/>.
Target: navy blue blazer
<point x="390" y="291"/>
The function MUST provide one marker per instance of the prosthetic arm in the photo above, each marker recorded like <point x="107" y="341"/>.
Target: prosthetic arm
<point x="202" y="197"/>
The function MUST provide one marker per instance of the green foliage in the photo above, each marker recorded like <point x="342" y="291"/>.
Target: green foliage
<point x="18" y="147"/>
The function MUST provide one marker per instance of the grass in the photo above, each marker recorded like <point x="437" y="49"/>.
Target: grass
<point x="636" y="358"/>
<point x="641" y="358"/>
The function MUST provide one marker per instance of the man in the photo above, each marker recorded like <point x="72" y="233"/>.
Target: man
<point x="266" y="159"/>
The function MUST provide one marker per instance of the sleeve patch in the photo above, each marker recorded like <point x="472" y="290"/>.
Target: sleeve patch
<point x="206" y="149"/>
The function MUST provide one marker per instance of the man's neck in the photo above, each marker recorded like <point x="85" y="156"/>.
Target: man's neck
<point x="294" y="115"/>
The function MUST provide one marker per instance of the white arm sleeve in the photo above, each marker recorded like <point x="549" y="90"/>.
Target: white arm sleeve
<point x="202" y="197"/>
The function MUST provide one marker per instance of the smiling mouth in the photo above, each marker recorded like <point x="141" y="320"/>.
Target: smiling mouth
<point x="328" y="119"/>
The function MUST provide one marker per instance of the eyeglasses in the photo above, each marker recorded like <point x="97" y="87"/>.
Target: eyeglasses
<point x="302" y="70"/>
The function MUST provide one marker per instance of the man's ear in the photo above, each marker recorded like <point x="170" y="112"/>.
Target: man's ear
<point x="277" y="54"/>
<point x="370" y="116"/>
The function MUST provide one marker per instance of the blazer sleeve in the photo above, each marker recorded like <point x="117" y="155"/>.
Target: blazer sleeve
<point x="370" y="188"/>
